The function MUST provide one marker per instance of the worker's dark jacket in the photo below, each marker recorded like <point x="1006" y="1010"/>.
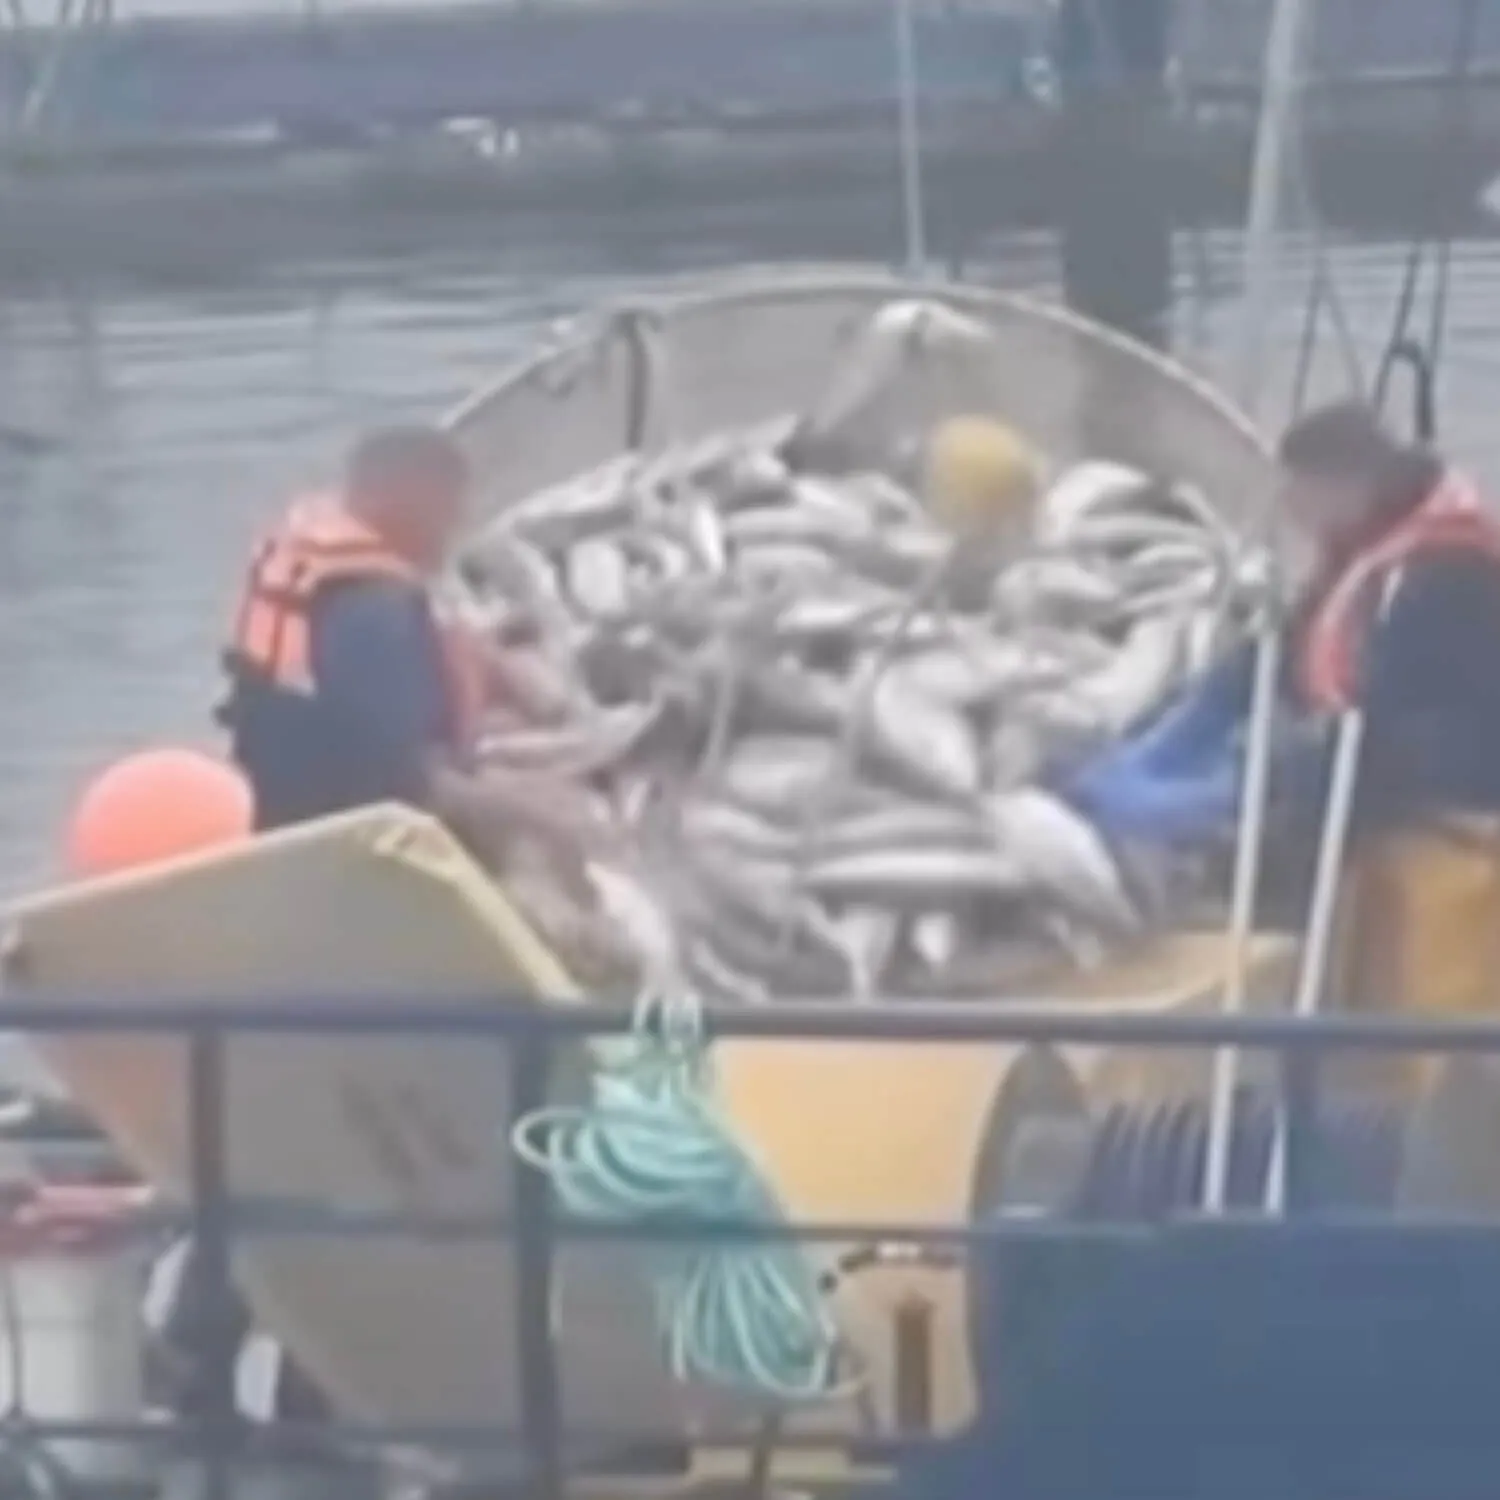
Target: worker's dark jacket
<point x="378" y="708"/>
<point x="1427" y="678"/>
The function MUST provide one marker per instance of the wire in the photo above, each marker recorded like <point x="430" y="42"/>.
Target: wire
<point x="1283" y="69"/>
<point x="1453" y="127"/>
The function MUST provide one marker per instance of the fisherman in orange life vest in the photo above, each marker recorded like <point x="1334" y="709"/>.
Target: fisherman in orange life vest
<point x="1403" y="622"/>
<point x="346" y="689"/>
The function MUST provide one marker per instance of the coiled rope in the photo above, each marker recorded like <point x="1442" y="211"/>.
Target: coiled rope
<point x="653" y="1147"/>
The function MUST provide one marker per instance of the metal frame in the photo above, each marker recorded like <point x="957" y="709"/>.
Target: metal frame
<point x="527" y="1034"/>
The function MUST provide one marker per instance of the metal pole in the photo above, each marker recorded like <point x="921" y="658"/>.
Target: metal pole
<point x="1274" y="141"/>
<point x="913" y="208"/>
<point x="217" y="1422"/>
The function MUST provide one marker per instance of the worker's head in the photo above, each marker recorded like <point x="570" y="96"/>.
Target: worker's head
<point x="982" y="478"/>
<point x="411" y="485"/>
<point x="1345" y="478"/>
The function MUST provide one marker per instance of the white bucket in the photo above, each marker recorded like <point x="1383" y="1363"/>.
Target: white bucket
<point x="71" y="1334"/>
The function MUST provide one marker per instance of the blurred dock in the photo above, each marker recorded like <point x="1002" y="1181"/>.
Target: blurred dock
<point x="279" y="133"/>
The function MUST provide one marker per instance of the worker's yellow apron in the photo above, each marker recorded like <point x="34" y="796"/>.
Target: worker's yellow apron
<point x="1419" y="927"/>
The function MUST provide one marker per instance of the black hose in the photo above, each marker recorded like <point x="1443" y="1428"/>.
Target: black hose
<point x="1401" y="348"/>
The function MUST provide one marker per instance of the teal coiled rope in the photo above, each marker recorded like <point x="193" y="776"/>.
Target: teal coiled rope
<point x="653" y="1145"/>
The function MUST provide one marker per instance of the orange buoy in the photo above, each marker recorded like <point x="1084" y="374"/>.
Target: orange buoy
<point x="157" y="805"/>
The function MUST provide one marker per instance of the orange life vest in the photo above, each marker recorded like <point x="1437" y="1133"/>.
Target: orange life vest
<point x="1328" y="664"/>
<point x="319" y="543"/>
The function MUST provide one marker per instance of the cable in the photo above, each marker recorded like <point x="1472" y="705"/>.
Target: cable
<point x="653" y="1146"/>
<point x="1455" y="124"/>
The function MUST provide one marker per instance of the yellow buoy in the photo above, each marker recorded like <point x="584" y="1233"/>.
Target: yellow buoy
<point x="981" y="476"/>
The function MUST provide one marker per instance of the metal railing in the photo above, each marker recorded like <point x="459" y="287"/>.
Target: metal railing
<point x="527" y="1038"/>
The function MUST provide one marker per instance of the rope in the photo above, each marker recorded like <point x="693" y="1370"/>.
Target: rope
<point x="653" y="1147"/>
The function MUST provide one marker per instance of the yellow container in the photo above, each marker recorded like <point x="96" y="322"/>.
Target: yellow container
<point x="385" y="903"/>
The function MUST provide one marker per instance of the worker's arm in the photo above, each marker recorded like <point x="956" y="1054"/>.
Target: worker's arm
<point x="520" y="679"/>
<point x="377" y="661"/>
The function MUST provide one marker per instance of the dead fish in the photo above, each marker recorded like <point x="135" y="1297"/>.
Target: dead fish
<point x="575" y="750"/>
<point x="598" y="577"/>
<point x="1081" y="491"/>
<point x="900" y="557"/>
<point x="746" y="478"/>
<point x="782" y="698"/>
<point x="835" y="502"/>
<point x="894" y="825"/>
<point x="1016" y="752"/>
<point x="719" y="980"/>
<point x="882" y="499"/>
<point x="1064" y="856"/>
<point x="775" y="773"/>
<point x="901" y="825"/>
<point x="841" y="616"/>
<point x="918" y="741"/>
<point x="829" y="687"/>
<point x="869" y="936"/>
<point x="936" y="937"/>
<point x="790" y="525"/>
<point x="1138" y="680"/>
<point x="738" y="827"/>
<point x="914" y="879"/>
<point x="787" y="562"/>
<point x="706" y="535"/>
<point x="1119" y="534"/>
<point x="1065" y="589"/>
<point x="563" y="516"/>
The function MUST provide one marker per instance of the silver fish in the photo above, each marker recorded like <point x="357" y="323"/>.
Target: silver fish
<point x="599" y="577"/>
<point x="1138" y="681"/>
<point x="1064" y="856"/>
<point x="575" y="750"/>
<point x="562" y="516"/>
<point x="790" y="525"/>
<point x="918" y="741"/>
<point x="784" y="562"/>
<point x="915" y="879"/>
<point x="1079" y="493"/>
<point x="823" y="722"/>
<point x="775" y="773"/>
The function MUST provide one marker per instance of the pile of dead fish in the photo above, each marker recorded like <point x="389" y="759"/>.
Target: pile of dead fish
<point x="831" y="792"/>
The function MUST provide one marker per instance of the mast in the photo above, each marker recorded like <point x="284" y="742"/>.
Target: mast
<point x="1275" y="140"/>
<point x="909" y="129"/>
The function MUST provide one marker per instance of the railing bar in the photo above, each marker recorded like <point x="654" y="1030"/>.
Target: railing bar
<point x="323" y="1222"/>
<point x="889" y="1020"/>
<point x="215" y="1423"/>
<point x="535" y="1371"/>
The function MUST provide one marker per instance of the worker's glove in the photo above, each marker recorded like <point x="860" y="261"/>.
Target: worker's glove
<point x="1128" y="802"/>
<point x="1196" y="731"/>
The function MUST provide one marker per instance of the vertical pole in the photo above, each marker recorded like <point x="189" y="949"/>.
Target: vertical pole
<point x="1274" y="142"/>
<point x="909" y="129"/>
<point x="217" y="1422"/>
<point x="1114" y="228"/>
<point x="528" y="1071"/>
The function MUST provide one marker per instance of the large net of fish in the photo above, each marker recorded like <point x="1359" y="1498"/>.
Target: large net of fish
<point x="830" y="791"/>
